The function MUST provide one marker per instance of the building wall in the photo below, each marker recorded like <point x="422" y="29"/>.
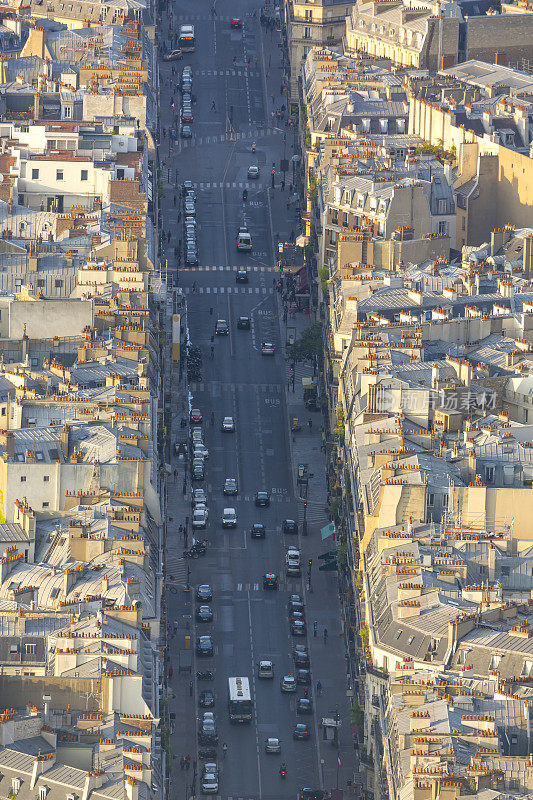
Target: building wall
<point x="511" y="34"/>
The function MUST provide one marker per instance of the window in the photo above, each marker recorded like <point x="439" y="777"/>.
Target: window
<point x="445" y="501"/>
<point x="489" y="474"/>
<point x="120" y="172"/>
<point x="23" y="479"/>
<point x="84" y="174"/>
<point x="526" y="669"/>
<point x="68" y="111"/>
<point x="443" y="226"/>
<point x="345" y="219"/>
<point x="13" y="648"/>
<point x="46" y="478"/>
<point x="58" y="283"/>
<point x="35" y="174"/>
<point x="54" y="593"/>
<point x="506" y="572"/>
<point x="397" y="634"/>
<point x="42" y="792"/>
<point x="443" y="206"/>
<point x="307" y="33"/>
<point x="410" y="640"/>
<point x="335" y="217"/>
<point x="15" y="785"/>
<point x="59" y="174"/>
<point x="30" y="649"/>
<point x="308" y="14"/>
<point x="431" y="500"/>
<point x="3" y="411"/>
<point x="46" y="504"/>
<point x="40" y="283"/>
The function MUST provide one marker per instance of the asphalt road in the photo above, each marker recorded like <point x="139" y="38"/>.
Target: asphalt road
<point x="249" y="623"/>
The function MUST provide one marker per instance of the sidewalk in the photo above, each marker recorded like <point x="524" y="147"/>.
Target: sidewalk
<point x="322" y="600"/>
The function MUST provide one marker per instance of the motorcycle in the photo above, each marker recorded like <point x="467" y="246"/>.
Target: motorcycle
<point x="205" y="675"/>
<point x="283" y="772"/>
<point x="245" y="194"/>
<point x="195" y="551"/>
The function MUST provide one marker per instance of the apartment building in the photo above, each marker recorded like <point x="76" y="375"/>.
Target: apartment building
<point x="432" y="36"/>
<point x="314" y="23"/>
<point x="481" y="114"/>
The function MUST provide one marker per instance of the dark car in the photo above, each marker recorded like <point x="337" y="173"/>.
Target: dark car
<point x="198" y="474"/>
<point x="301" y="656"/>
<point x="270" y="581"/>
<point x="304" y="706"/>
<point x="204" y="646"/>
<point x="206" y="699"/>
<point x="241" y="276"/>
<point x="298" y="627"/>
<point x="204" y="593"/>
<point x="290" y="526"/>
<point x="243" y="323"/>
<point x="204" y="614"/>
<point x="301" y="731"/>
<point x="262" y="499"/>
<point x="222" y="327"/>
<point x="303" y="677"/>
<point x="236" y="22"/>
<point x="257" y="531"/>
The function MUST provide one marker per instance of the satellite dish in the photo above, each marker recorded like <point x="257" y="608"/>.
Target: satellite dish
<point x="1" y="178"/>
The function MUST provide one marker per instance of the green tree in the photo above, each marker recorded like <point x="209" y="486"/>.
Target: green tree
<point x="356" y="714"/>
<point x="308" y="346"/>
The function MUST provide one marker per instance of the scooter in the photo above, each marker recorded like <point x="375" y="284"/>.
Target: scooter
<point x="283" y="771"/>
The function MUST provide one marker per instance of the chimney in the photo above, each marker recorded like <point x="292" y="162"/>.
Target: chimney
<point x="7" y="440"/>
<point x="65" y="437"/>
<point x="492" y="563"/>
<point x="528" y="256"/>
<point x="131" y="789"/>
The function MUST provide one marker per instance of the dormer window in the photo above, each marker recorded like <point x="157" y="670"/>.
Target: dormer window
<point x="42" y="792"/>
<point x="361" y="23"/>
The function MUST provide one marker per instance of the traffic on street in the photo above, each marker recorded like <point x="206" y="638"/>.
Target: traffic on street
<point x="250" y="656"/>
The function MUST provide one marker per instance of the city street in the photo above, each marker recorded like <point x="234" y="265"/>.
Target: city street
<point x="233" y="109"/>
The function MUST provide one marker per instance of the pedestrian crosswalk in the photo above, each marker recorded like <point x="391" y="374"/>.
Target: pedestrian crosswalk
<point x="227" y="73"/>
<point x="230" y="136"/>
<point x="229" y="185"/>
<point x="238" y="387"/>
<point x="226" y="268"/>
<point x="229" y="290"/>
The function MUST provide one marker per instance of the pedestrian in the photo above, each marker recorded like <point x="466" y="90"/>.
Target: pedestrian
<point x="283" y="184"/>
<point x="175" y="201"/>
<point x="170" y="672"/>
<point x="185" y="540"/>
<point x="310" y="423"/>
<point x="213" y="106"/>
<point x="182" y="762"/>
<point x="318" y="688"/>
<point x="273" y="99"/>
<point x="180" y="529"/>
<point x="179" y="248"/>
<point x="234" y="61"/>
<point x="175" y="475"/>
<point x="292" y="235"/>
<point x="224" y="750"/>
<point x="187" y="761"/>
<point x="179" y="217"/>
<point x="325" y="635"/>
<point x="288" y="204"/>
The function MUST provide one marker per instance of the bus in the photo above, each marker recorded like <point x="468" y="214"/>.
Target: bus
<point x="240" y="706"/>
<point x="186" y="40"/>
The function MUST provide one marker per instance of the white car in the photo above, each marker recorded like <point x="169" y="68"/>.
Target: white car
<point x="199" y="517"/>
<point x="228" y="424"/>
<point x="229" y="518"/>
<point x="293" y="554"/>
<point x="200" y="451"/>
<point x="199" y="496"/>
<point x="253" y="171"/>
<point x="230" y="486"/>
<point x="272" y="745"/>
<point x="210" y="779"/>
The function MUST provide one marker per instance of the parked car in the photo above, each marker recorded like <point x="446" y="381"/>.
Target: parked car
<point x="199" y="517"/>
<point x="204" y="646"/>
<point x="206" y="699"/>
<point x="204" y="614"/>
<point x="204" y="593"/>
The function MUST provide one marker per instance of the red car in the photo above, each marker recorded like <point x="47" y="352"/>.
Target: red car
<point x="187" y="116"/>
<point x="236" y="22"/>
<point x="196" y="416"/>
